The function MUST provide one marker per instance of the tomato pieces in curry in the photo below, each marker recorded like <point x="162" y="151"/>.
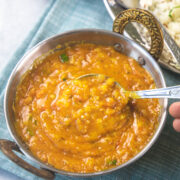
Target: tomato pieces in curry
<point x="85" y="125"/>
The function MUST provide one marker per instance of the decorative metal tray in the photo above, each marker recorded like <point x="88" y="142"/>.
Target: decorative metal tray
<point x="170" y="58"/>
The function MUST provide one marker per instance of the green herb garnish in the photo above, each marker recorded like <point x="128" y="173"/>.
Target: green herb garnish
<point x="64" y="58"/>
<point x="112" y="163"/>
<point x="171" y="11"/>
<point x="64" y="79"/>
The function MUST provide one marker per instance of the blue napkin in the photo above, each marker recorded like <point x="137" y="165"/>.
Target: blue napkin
<point x="162" y="161"/>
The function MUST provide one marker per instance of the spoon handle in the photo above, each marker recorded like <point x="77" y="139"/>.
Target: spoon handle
<point x="169" y="92"/>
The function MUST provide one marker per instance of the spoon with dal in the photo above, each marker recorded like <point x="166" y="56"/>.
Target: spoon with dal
<point x="172" y="92"/>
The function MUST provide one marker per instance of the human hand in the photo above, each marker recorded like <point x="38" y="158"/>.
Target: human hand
<point x="174" y="110"/>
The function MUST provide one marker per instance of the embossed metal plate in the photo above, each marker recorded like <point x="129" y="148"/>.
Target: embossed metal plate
<point x="136" y="32"/>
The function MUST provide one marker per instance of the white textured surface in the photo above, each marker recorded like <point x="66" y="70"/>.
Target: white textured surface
<point x="17" y="18"/>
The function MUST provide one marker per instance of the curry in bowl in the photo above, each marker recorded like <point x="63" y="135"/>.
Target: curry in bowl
<point x="85" y="125"/>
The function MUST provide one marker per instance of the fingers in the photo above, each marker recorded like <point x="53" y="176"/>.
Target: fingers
<point x="176" y="125"/>
<point x="174" y="109"/>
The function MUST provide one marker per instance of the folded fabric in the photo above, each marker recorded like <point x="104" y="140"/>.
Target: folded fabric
<point x="162" y="161"/>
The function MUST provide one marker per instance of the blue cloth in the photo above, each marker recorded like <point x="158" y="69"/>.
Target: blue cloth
<point x="5" y="175"/>
<point x="162" y="161"/>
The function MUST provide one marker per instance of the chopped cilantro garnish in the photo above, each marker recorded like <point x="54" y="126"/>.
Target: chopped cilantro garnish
<point x="64" y="79"/>
<point x="64" y="58"/>
<point x="112" y="163"/>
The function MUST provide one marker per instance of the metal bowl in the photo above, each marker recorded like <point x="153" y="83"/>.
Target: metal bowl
<point x="120" y="43"/>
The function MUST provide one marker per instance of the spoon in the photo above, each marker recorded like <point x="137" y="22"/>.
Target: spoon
<point x="172" y="92"/>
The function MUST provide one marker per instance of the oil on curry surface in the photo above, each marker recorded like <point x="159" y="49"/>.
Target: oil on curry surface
<point x="80" y="125"/>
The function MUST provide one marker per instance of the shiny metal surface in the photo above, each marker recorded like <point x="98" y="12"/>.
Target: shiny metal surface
<point x="128" y="3"/>
<point x="115" y="6"/>
<point x="171" y="44"/>
<point x="113" y="9"/>
<point x="146" y="19"/>
<point x="130" y="48"/>
<point x="169" y="92"/>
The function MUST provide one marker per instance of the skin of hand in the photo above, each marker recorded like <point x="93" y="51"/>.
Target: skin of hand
<point x="174" y="110"/>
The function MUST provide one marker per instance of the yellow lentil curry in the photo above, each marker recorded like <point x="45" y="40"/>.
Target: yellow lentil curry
<point x="85" y="125"/>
